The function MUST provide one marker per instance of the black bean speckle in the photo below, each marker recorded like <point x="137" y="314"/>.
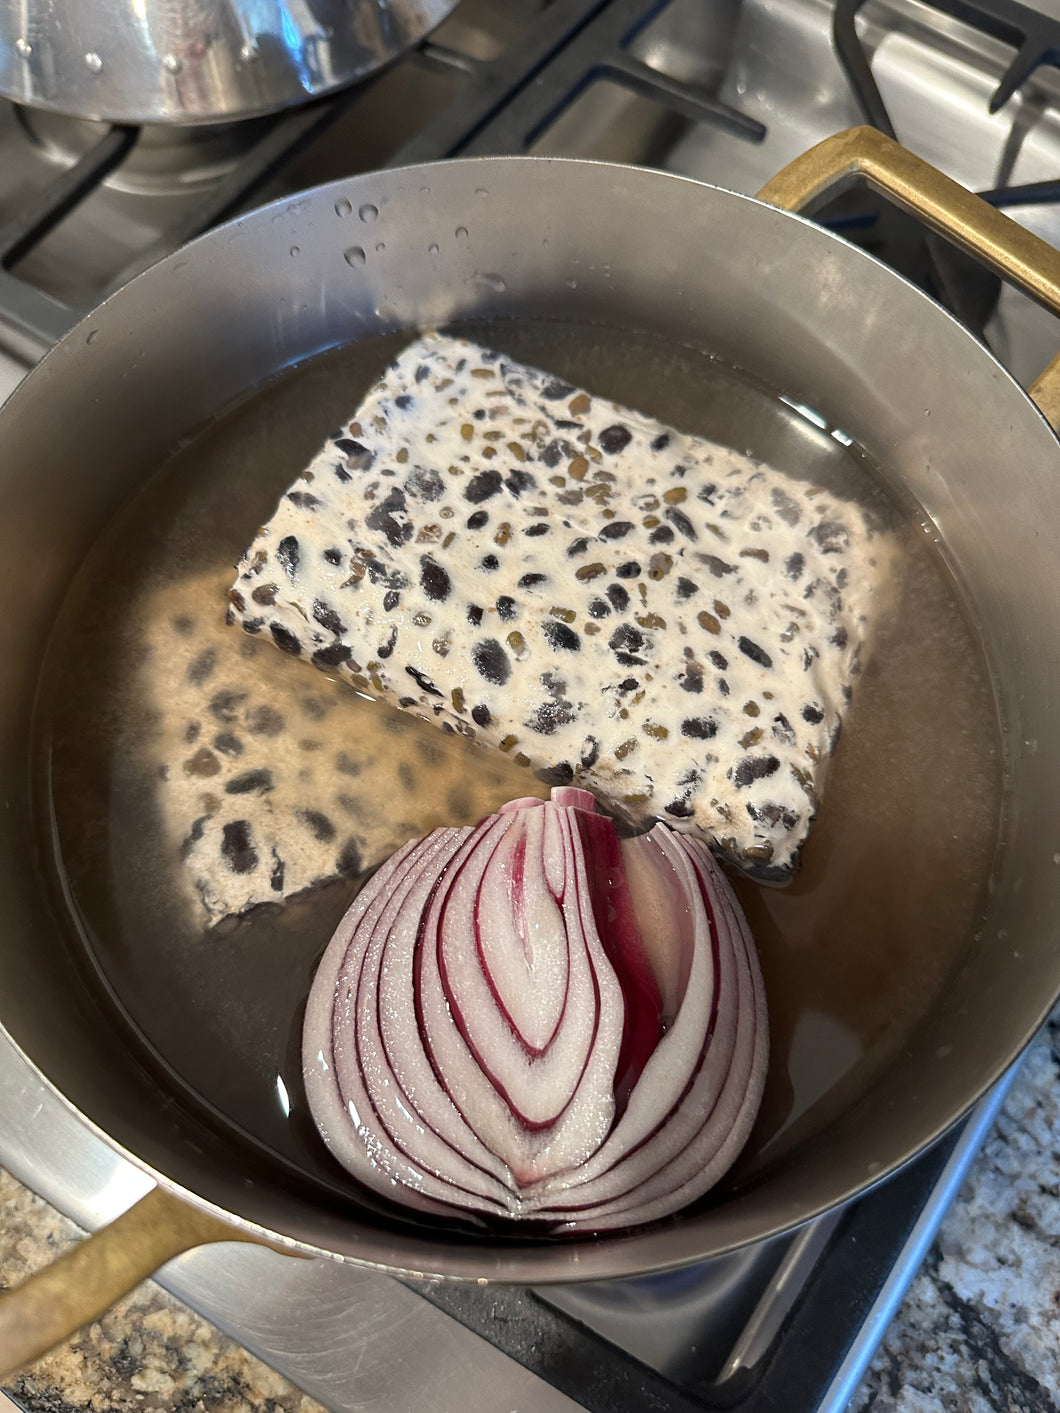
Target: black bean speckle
<point x="489" y="563"/>
<point x="477" y="519"/>
<point x="483" y="486"/>
<point x="699" y="728"/>
<point x="264" y="721"/>
<point x="753" y="768"/>
<point x="599" y="608"/>
<point x="561" y="774"/>
<point x="480" y="714"/>
<point x="237" y="848"/>
<point x="754" y="652"/>
<point x="474" y="614"/>
<point x="540" y="528"/>
<point x="615" y="439"/>
<point x="718" y="567"/>
<point x="390" y="518"/>
<point x="289" y="555"/>
<point x="277" y="874"/>
<point x="491" y="661"/>
<point x="812" y="713"/>
<point x="590" y="752"/>
<point x="577" y="547"/>
<point x="424" y="681"/>
<point x="625" y="640"/>
<point x="794" y="565"/>
<point x="686" y="588"/>
<point x="783" y="730"/>
<point x="692" y="679"/>
<point x="386" y="649"/>
<point x="434" y="580"/>
<point x="350" y="863"/>
<point x="250" y="782"/>
<point x="719" y="660"/>
<point x="284" y="639"/>
<point x="194" y="834"/>
<point x="560" y="636"/>
<point x="555" y="390"/>
<point x="618" y="596"/>
<point x="225" y="705"/>
<point x="661" y="442"/>
<point x="519" y="481"/>
<point x="333" y="556"/>
<point x="679" y="809"/>
<point x="391" y="599"/>
<point x="681" y="523"/>
<point x="629" y="570"/>
<point x="662" y="535"/>
<point x="628" y="684"/>
<point x="425" y="483"/>
<point x="320" y="826"/>
<point x="531" y="581"/>
<point x="202" y="666"/>
<point x="616" y="529"/>
<point x="333" y="655"/>
<point x="506" y="609"/>
<point x="831" y="536"/>
<point x="327" y="617"/>
<point x="404" y="401"/>
<point x="550" y="715"/>
<point x="357" y="455"/>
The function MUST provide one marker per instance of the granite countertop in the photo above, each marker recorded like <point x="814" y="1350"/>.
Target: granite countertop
<point x="978" y="1329"/>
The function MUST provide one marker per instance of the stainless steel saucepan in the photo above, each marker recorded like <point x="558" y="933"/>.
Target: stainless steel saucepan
<point x="658" y="257"/>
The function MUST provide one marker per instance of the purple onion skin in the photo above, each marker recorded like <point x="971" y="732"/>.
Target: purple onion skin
<point x="534" y="1021"/>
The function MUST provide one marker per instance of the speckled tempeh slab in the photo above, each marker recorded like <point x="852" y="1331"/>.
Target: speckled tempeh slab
<point x="608" y="600"/>
<point x="272" y="781"/>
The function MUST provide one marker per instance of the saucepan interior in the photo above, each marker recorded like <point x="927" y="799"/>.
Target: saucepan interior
<point x="162" y="431"/>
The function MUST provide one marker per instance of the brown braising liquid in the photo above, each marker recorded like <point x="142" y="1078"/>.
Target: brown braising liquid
<point x="853" y="951"/>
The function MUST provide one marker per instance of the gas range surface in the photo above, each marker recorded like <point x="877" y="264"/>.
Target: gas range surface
<point x="724" y="92"/>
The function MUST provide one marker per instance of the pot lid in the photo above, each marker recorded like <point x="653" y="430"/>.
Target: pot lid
<point x="199" y="61"/>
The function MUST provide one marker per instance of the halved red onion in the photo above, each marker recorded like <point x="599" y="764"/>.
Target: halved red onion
<point x="532" y="1019"/>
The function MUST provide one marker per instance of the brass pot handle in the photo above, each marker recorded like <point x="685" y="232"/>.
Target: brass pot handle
<point x="48" y="1307"/>
<point x="863" y="154"/>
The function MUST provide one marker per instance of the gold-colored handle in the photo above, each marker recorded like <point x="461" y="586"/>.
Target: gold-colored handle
<point x="78" y="1287"/>
<point x="863" y="154"/>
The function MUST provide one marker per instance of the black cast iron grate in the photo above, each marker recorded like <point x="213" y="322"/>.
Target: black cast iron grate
<point x="954" y="279"/>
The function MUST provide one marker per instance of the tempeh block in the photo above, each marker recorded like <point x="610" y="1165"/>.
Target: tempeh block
<point x="609" y="601"/>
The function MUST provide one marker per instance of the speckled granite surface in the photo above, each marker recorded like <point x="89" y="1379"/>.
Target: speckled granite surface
<point x="148" y="1352"/>
<point x="979" y="1329"/>
<point x="980" y="1326"/>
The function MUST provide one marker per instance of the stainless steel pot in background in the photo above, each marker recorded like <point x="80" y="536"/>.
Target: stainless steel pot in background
<point x="197" y="62"/>
<point x="590" y="243"/>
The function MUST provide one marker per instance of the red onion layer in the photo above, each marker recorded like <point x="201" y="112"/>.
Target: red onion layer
<point x="532" y="1019"/>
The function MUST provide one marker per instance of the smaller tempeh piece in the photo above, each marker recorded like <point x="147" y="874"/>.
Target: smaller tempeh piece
<point x="607" y="600"/>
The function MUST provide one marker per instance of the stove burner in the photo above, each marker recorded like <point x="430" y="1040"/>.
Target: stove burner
<point x="158" y="160"/>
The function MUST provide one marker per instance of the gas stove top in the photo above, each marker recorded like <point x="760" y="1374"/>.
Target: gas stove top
<point x="713" y="89"/>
